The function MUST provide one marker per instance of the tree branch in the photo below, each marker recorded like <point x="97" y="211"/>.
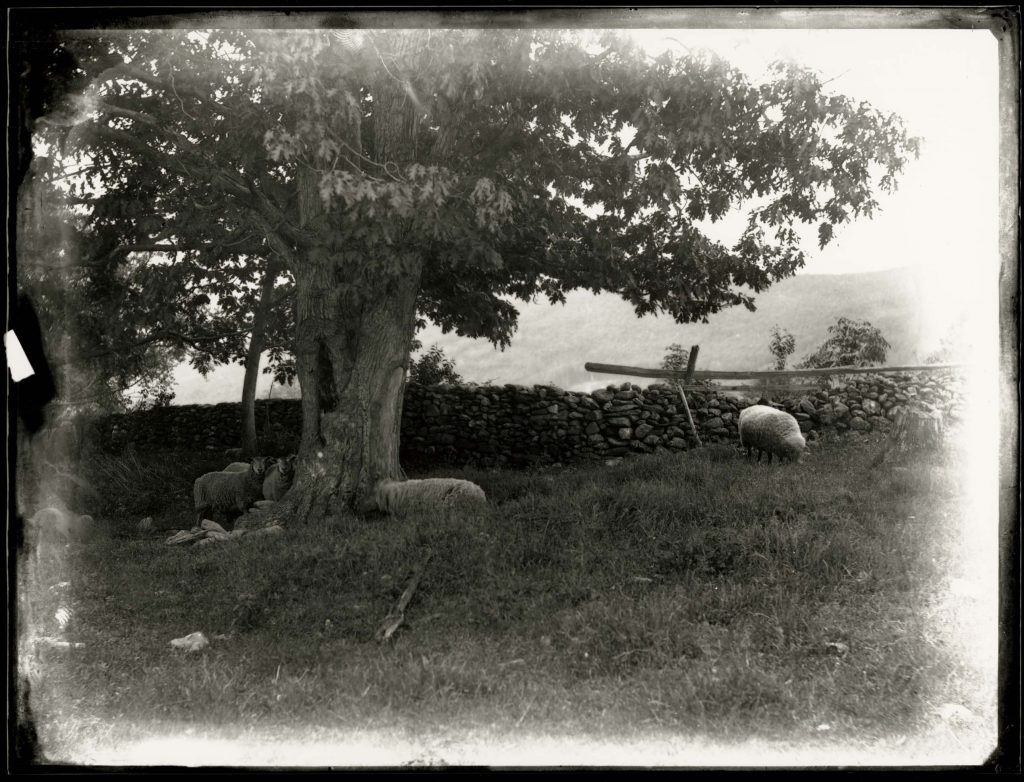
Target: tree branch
<point x="206" y="168"/>
<point x="128" y="71"/>
<point x="155" y="247"/>
<point x="270" y="216"/>
<point x="283" y="297"/>
<point x="278" y="244"/>
<point x="196" y="341"/>
<point x="121" y="111"/>
<point x="162" y="248"/>
<point x="162" y="335"/>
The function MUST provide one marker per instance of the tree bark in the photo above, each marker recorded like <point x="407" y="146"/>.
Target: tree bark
<point x="351" y="355"/>
<point x="257" y="341"/>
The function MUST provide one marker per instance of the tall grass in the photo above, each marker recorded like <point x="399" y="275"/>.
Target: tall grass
<point x="714" y="599"/>
<point x="133" y="485"/>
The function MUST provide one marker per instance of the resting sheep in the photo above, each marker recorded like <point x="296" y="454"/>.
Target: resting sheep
<point x="230" y="491"/>
<point x="772" y="431"/>
<point x="279" y="478"/>
<point x="402" y="497"/>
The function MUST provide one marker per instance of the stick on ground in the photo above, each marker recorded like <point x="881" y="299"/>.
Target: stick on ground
<point x="396" y="615"/>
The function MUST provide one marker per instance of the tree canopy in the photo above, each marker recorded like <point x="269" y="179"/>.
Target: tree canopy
<point x="538" y="161"/>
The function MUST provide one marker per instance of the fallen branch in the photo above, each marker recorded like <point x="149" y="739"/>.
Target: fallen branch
<point x="396" y="615"/>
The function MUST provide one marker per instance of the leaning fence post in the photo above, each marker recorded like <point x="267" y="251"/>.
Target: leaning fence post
<point x="690" y="365"/>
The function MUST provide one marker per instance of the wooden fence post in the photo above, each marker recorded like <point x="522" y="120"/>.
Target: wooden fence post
<point x="690" y="365"/>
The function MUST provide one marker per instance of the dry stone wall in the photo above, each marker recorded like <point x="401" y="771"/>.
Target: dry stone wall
<point x="526" y="425"/>
<point x="201" y="427"/>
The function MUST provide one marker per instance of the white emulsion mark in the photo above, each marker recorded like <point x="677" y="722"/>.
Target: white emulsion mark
<point x="20" y="366"/>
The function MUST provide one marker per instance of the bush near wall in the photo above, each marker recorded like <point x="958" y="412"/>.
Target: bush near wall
<point x="526" y="425"/>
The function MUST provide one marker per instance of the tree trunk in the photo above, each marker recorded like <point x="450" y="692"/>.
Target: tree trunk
<point x="257" y="341"/>
<point x="351" y="355"/>
<point x="354" y="323"/>
<point x="914" y="430"/>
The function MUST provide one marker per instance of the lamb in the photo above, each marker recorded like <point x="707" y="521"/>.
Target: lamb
<point x="229" y="491"/>
<point x="772" y="431"/>
<point x="279" y="478"/>
<point x="402" y="497"/>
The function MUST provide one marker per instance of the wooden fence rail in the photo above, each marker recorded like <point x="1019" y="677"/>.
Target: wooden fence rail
<point x="711" y="374"/>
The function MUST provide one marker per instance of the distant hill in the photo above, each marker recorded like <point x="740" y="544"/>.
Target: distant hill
<point x="554" y="341"/>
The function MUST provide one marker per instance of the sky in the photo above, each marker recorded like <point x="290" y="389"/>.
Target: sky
<point x="942" y="83"/>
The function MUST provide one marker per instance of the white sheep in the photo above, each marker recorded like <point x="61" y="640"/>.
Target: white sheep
<point x="279" y="478"/>
<point x="771" y="431"/>
<point x="402" y="497"/>
<point x="229" y="491"/>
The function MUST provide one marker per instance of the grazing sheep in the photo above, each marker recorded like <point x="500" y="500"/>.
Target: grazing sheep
<point x="233" y="453"/>
<point x="401" y="497"/>
<point x="229" y="491"/>
<point x="279" y="478"/>
<point x="771" y="431"/>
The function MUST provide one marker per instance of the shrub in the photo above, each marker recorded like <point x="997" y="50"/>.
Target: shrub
<point x="433" y="367"/>
<point x="850" y="343"/>
<point x="782" y="346"/>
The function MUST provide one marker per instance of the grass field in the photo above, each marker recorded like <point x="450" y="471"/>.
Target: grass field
<point x="690" y="609"/>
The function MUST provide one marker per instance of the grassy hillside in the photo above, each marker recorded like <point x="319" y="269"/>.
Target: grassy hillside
<point x="554" y="341"/>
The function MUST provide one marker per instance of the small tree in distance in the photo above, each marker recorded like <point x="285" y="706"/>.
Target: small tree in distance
<point x="782" y="346"/>
<point x="432" y="368"/>
<point x="676" y="357"/>
<point x="850" y="343"/>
